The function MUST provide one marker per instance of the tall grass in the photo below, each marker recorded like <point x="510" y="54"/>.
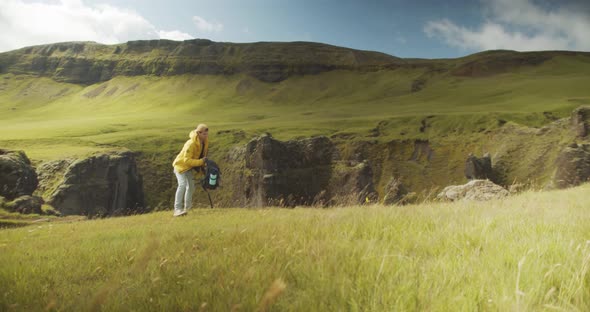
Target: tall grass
<point x="525" y="253"/>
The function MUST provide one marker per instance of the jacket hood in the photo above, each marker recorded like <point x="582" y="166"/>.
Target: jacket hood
<point x="195" y="137"/>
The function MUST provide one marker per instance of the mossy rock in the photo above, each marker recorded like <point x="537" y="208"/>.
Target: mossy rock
<point x="17" y="176"/>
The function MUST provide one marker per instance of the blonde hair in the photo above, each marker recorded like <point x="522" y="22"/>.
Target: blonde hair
<point x="202" y="128"/>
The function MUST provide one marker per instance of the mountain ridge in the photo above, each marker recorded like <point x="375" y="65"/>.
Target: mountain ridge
<point x="87" y="63"/>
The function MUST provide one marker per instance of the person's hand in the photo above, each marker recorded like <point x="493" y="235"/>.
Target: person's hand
<point x="204" y="160"/>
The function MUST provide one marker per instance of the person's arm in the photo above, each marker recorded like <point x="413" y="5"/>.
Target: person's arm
<point x="188" y="152"/>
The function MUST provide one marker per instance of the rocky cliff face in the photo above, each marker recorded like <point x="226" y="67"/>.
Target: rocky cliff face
<point x="100" y="186"/>
<point x="297" y="172"/>
<point x="572" y="166"/>
<point x="340" y="171"/>
<point x="580" y="121"/>
<point x="479" y="168"/>
<point x="88" y="63"/>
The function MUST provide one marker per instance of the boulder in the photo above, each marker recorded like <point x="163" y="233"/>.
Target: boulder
<point x="17" y="176"/>
<point x="478" y="168"/>
<point x="473" y="190"/>
<point x="572" y="166"/>
<point x="101" y="185"/>
<point x="580" y="122"/>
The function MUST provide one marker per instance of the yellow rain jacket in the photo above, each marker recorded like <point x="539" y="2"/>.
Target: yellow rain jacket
<point x="189" y="156"/>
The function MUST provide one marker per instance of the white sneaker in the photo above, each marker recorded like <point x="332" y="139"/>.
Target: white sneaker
<point x="178" y="213"/>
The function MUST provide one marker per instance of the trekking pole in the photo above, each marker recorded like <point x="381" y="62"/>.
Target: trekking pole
<point x="208" y="195"/>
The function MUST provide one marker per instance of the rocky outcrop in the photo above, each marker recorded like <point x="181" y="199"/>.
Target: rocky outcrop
<point x="572" y="166"/>
<point x="394" y="192"/>
<point x="479" y="168"/>
<point x="351" y="184"/>
<point x="17" y="176"/>
<point x="51" y="175"/>
<point x="580" y="121"/>
<point x="26" y="204"/>
<point x="298" y="172"/>
<point x="473" y="190"/>
<point x="287" y="173"/>
<point x="497" y="62"/>
<point x="102" y="185"/>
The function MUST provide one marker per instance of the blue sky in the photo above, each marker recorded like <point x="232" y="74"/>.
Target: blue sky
<point x="404" y="28"/>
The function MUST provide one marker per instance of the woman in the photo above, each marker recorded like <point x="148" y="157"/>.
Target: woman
<point x="193" y="154"/>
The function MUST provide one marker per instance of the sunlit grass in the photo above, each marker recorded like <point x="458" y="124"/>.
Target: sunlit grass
<point x="529" y="252"/>
<point x="129" y="109"/>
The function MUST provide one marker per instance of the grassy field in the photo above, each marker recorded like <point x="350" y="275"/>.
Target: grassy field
<point x="530" y="252"/>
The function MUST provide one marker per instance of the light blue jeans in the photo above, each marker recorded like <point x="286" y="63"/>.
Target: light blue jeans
<point x="185" y="190"/>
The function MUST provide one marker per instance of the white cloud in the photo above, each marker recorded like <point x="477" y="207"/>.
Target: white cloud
<point x="174" y="35"/>
<point x="206" y="26"/>
<point x="518" y="25"/>
<point x="26" y="23"/>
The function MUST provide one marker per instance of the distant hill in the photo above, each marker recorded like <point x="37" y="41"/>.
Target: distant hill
<point x="88" y="62"/>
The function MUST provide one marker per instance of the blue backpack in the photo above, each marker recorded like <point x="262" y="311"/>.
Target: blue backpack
<point x="212" y="176"/>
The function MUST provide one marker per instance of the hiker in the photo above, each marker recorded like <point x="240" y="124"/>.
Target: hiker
<point x="193" y="154"/>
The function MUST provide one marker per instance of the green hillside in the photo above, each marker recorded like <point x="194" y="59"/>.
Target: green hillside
<point x="321" y="104"/>
<point x="488" y="102"/>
